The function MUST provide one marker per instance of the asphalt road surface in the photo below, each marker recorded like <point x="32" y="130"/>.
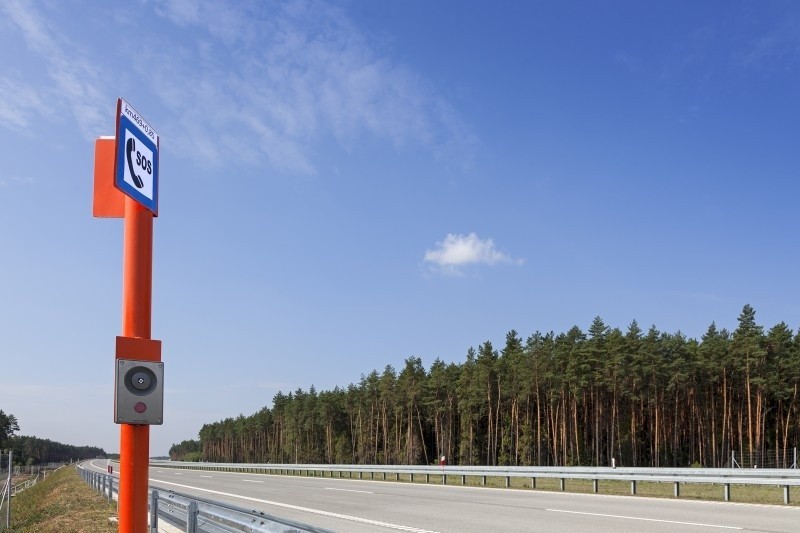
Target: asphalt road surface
<point x="363" y="505"/>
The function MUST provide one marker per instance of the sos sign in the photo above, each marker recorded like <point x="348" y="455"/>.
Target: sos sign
<point x="136" y="159"/>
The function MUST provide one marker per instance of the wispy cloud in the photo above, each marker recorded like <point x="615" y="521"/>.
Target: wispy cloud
<point x="20" y="103"/>
<point x="778" y="48"/>
<point x="76" y="80"/>
<point x="457" y="251"/>
<point x="285" y="75"/>
<point x="16" y="180"/>
<point x="259" y="84"/>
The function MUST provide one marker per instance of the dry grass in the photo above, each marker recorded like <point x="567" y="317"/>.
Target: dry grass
<point x="62" y="503"/>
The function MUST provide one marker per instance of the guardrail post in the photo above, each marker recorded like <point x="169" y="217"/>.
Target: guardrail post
<point x="463" y="479"/>
<point x="154" y="511"/>
<point x="633" y="487"/>
<point x="595" y="485"/>
<point x="677" y="490"/>
<point x="397" y="476"/>
<point x="508" y="481"/>
<point x="563" y="484"/>
<point x="191" y="517"/>
<point x="786" y="495"/>
<point x="483" y="480"/>
<point x="533" y="482"/>
<point x="427" y="478"/>
<point x="727" y="492"/>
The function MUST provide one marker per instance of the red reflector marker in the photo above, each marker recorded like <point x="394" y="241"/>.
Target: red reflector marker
<point x="140" y="407"/>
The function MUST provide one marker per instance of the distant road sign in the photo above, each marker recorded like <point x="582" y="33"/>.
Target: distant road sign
<point x="136" y="160"/>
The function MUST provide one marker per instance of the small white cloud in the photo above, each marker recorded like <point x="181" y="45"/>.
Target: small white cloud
<point x="460" y="250"/>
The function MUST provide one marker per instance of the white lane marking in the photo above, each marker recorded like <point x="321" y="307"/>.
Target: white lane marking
<point x="677" y="522"/>
<point x="350" y="490"/>
<point x="304" y="509"/>
<point x="210" y="477"/>
<point x="252" y="481"/>
<point x="178" y="474"/>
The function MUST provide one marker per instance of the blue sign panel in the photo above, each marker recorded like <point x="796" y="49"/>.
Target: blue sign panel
<point x="136" y="158"/>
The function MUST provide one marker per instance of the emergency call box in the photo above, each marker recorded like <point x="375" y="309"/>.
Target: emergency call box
<point x="139" y="392"/>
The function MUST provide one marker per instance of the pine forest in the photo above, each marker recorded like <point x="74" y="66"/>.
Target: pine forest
<point x="643" y="398"/>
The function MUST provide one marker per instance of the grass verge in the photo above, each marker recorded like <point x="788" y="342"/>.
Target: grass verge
<point x="63" y="502"/>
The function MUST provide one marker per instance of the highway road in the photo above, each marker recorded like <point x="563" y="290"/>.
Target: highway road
<point x="373" y="506"/>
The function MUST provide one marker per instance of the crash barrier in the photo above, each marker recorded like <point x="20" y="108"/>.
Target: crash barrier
<point x="726" y="477"/>
<point x="193" y="514"/>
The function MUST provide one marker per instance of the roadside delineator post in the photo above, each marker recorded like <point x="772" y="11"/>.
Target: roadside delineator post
<point x="126" y="186"/>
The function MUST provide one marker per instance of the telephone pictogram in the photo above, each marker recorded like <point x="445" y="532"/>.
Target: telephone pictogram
<point x="129" y="149"/>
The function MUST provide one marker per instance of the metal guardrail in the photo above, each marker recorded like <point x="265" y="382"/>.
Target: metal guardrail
<point x="196" y="515"/>
<point x="726" y="477"/>
<point x="5" y="498"/>
<point x="19" y="487"/>
<point x="8" y="492"/>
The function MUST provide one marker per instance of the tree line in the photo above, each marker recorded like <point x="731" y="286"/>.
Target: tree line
<point x="643" y="398"/>
<point x="34" y="451"/>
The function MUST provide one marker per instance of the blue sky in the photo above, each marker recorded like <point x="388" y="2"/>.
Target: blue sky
<point x="344" y="185"/>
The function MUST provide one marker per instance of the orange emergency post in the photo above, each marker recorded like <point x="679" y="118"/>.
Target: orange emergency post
<point x="135" y="341"/>
<point x="107" y="201"/>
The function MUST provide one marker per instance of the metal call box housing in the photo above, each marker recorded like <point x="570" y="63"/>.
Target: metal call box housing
<point x="139" y="392"/>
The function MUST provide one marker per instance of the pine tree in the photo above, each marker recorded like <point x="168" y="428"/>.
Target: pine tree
<point x="749" y="353"/>
<point x="8" y="426"/>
